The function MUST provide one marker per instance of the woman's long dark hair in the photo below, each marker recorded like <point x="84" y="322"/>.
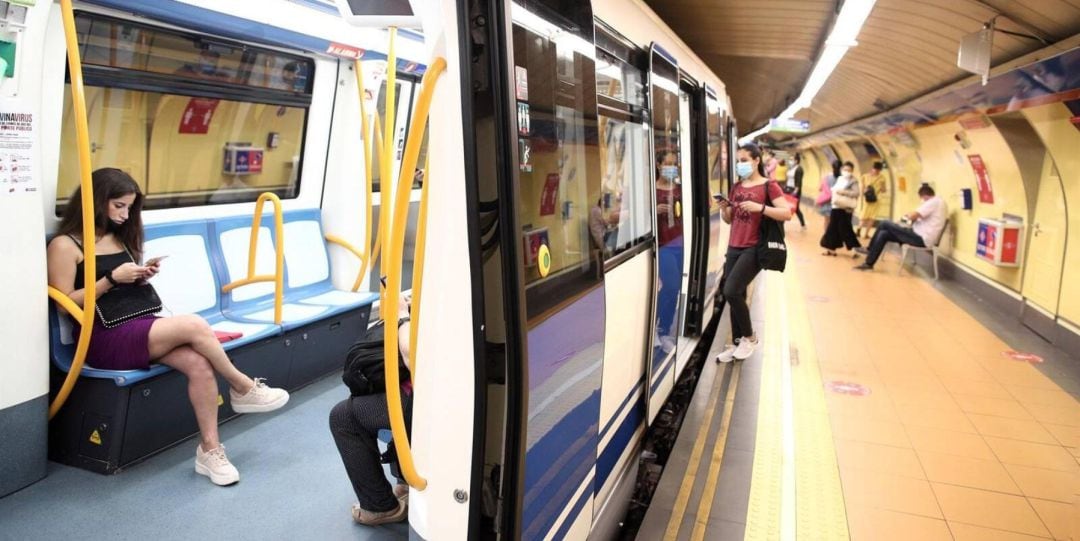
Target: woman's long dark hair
<point x="109" y="184"/>
<point x="755" y="152"/>
<point x="836" y="165"/>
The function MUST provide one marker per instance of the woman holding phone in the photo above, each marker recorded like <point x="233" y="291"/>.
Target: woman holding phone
<point x="184" y="342"/>
<point x="753" y="199"/>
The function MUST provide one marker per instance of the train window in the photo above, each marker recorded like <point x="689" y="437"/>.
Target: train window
<point x="558" y="165"/>
<point x="666" y="145"/>
<point x="194" y="121"/>
<point x="403" y="97"/>
<point x="623" y="217"/>
<point x="718" y="151"/>
<point x="616" y="80"/>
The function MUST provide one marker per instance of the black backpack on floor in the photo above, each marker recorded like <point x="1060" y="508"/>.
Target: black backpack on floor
<point x="364" y="372"/>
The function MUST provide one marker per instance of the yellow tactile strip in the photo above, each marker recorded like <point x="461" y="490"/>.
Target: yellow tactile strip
<point x="795" y="489"/>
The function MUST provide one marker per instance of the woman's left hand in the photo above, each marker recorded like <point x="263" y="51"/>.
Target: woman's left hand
<point x="751" y="206"/>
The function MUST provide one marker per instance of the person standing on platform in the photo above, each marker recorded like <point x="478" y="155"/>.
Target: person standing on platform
<point x="928" y="224"/>
<point x="770" y="163"/>
<point x="781" y="171"/>
<point x="794" y="185"/>
<point x="824" y="198"/>
<point x="754" y="198"/>
<point x="874" y="186"/>
<point x="845" y="197"/>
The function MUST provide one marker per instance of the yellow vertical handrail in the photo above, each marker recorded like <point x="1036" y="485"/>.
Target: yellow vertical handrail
<point x="279" y="254"/>
<point x="386" y="158"/>
<point x="394" y="253"/>
<point x="418" y="267"/>
<point x="82" y="134"/>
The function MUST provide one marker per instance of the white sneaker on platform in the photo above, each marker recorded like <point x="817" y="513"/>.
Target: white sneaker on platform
<point x="260" y="399"/>
<point x="745" y="349"/>
<point x="727" y="355"/>
<point x="215" y="465"/>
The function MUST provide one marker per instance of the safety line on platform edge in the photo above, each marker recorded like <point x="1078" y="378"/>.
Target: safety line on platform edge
<point x="701" y="522"/>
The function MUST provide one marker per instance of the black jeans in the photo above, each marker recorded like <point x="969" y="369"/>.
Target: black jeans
<point x="740" y="268"/>
<point x="355" y="423"/>
<point x="891" y="232"/>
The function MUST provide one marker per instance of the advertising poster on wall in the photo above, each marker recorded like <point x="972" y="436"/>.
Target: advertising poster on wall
<point x="17" y="153"/>
<point x="549" y="196"/>
<point x="982" y="179"/>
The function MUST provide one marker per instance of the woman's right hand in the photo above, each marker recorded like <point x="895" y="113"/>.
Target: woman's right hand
<point x="129" y="273"/>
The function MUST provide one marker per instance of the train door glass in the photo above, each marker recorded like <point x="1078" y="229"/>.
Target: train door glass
<point x="558" y="186"/>
<point x="685" y="212"/>
<point x="664" y="89"/>
<point x="717" y="172"/>
<point x="1046" y="254"/>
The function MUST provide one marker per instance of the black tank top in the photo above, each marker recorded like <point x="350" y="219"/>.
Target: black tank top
<point x="105" y="263"/>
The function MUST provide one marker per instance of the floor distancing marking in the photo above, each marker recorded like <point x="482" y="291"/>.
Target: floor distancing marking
<point x="687" y="486"/>
<point x="701" y="522"/>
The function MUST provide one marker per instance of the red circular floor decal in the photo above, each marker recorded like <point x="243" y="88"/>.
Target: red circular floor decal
<point x="848" y="388"/>
<point x="1025" y="357"/>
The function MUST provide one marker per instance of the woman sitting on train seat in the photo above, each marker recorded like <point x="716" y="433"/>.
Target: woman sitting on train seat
<point x="355" y="424"/>
<point x="745" y="211"/>
<point x="184" y="342"/>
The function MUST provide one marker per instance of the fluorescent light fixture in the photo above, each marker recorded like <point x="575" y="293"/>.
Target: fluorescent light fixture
<point x="848" y="25"/>
<point x="753" y="135"/>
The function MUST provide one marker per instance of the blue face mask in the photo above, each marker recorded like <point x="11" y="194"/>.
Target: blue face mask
<point x="744" y="169"/>
<point x="670" y="172"/>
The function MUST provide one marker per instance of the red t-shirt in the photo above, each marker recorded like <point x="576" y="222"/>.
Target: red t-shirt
<point x="669" y="223"/>
<point x="746" y="226"/>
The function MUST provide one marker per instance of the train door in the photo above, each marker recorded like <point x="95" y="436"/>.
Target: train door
<point x="702" y="237"/>
<point x="687" y="212"/>
<point x="536" y="101"/>
<point x="1046" y="251"/>
<point x="664" y="92"/>
<point x="716" y="171"/>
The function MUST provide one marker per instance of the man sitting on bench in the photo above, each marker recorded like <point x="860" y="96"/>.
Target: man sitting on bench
<point x="928" y="221"/>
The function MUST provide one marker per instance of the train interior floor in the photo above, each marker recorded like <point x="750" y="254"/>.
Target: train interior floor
<point x="292" y="486"/>
<point x="878" y="407"/>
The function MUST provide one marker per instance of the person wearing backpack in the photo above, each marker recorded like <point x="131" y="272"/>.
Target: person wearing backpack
<point x="356" y="421"/>
<point x="754" y="199"/>
<point x="874" y="186"/>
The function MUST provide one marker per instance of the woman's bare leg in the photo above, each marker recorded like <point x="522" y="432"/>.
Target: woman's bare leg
<point x="202" y="391"/>
<point x="169" y="333"/>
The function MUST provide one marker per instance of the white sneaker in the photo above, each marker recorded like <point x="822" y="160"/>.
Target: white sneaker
<point x="745" y="349"/>
<point x="260" y="399"/>
<point x="727" y="355"/>
<point x="215" y="465"/>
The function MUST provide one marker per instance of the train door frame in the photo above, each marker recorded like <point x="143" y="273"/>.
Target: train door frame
<point x="655" y="389"/>
<point x="693" y="310"/>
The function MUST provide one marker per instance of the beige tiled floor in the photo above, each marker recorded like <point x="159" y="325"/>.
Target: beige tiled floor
<point x="954" y="441"/>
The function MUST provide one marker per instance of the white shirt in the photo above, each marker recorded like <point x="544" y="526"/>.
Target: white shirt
<point x="931" y="221"/>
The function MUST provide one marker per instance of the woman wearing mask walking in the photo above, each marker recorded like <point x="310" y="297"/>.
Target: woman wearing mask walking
<point x="753" y="199"/>
<point x="845" y="197"/>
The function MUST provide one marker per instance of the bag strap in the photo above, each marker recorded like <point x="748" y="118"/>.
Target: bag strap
<point x="75" y="240"/>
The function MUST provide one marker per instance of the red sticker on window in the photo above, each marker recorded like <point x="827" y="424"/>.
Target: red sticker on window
<point x="848" y="388"/>
<point x="197" y="116"/>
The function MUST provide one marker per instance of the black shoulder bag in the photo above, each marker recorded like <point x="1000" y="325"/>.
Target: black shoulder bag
<point x="870" y="194"/>
<point x="771" y="248"/>
<point x="126" y="302"/>
<point x="364" y="372"/>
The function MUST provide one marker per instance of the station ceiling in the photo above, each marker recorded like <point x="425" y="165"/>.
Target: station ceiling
<point x="765" y="49"/>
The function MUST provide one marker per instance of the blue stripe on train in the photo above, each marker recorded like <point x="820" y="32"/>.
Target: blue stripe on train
<point x="574" y="513"/>
<point x="618" y="411"/>
<point x="556" y="466"/>
<point x="662" y="372"/>
<point x="605" y="464"/>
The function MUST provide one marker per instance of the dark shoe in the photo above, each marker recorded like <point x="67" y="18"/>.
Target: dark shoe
<point x="861" y="250"/>
<point x="374" y="518"/>
<point x="864" y="267"/>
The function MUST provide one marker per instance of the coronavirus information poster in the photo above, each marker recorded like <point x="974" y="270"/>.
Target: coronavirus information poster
<point x="16" y="153"/>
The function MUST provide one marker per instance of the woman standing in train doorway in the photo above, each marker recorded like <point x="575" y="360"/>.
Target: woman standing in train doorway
<point x="753" y="199"/>
<point x="845" y="197"/>
<point x="184" y="342"/>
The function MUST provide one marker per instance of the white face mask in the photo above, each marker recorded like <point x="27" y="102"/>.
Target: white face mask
<point x="845" y="174"/>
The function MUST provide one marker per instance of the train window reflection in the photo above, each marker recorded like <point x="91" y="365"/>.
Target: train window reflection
<point x="186" y="150"/>
<point x="558" y="167"/>
<point x="622" y="217"/>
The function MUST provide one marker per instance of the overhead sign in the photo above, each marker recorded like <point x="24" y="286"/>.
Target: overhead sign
<point x="789" y="125"/>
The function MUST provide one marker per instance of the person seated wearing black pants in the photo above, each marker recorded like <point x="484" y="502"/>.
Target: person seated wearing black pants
<point x="355" y="424"/>
<point x="928" y="221"/>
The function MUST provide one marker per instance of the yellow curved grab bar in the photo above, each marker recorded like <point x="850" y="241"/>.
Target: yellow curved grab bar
<point x="418" y="267"/>
<point x="66" y="303"/>
<point x="82" y="134"/>
<point x="395" y="249"/>
<point x="334" y="239"/>
<point x="279" y="254"/>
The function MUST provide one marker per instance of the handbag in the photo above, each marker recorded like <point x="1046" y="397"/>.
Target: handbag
<point x="842" y="201"/>
<point x="125" y="303"/>
<point x="824" y="196"/>
<point x="870" y="195"/>
<point x="364" y="371"/>
<point x="771" y="248"/>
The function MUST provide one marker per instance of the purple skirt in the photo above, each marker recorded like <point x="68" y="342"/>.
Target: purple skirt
<point x="124" y="347"/>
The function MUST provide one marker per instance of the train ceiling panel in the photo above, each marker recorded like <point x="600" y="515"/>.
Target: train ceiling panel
<point x="764" y="50"/>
